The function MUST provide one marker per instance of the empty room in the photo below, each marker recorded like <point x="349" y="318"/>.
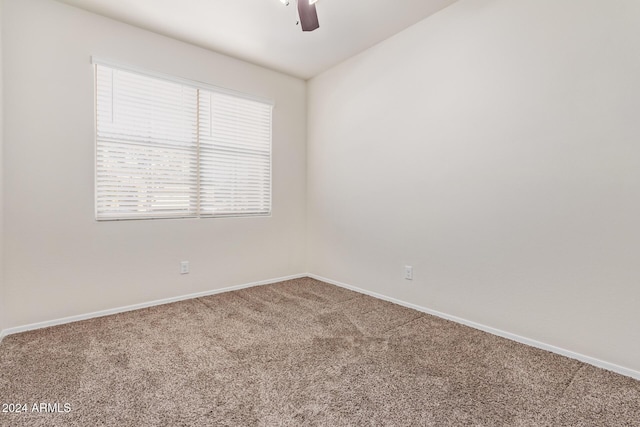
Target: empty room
<point x="320" y="212"/>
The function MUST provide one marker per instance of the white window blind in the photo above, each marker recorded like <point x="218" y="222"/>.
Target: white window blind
<point x="167" y="149"/>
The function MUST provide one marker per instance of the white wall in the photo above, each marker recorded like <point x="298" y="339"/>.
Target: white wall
<point x="495" y="147"/>
<point x="59" y="261"/>
<point x="2" y="296"/>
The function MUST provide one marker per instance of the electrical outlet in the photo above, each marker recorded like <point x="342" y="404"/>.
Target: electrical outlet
<point x="408" y="272"/>
<point x="184" y="267"/>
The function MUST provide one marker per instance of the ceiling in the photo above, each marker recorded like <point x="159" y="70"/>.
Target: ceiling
<point x="265" y="32"/>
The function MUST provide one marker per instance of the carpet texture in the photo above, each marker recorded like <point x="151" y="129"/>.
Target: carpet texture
<point x="298" y="353"/>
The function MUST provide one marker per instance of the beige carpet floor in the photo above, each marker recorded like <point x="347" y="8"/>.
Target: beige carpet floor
<point x="298" y="353"/>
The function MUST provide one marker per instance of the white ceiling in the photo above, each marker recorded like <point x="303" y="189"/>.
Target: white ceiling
<point x="265" y="32"/>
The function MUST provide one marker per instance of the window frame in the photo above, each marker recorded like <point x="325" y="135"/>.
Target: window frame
<point x="95" y="61"/>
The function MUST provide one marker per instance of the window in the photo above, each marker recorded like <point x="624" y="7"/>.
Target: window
<point x="169" y="148"/>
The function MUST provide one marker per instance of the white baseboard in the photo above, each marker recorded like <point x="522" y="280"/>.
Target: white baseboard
<point x="513" y="337"/>
<point x="108" y="312"/>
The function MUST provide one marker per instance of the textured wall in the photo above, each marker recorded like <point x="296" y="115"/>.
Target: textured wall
<point x="494" y="147"/>
<point x="59" y="260"/>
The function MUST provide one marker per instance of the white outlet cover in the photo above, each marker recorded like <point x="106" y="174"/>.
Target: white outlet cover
<point x="184" y="267"/>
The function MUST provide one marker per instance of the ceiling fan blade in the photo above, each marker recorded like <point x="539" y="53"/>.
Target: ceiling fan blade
<point x="308" y="15"/>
